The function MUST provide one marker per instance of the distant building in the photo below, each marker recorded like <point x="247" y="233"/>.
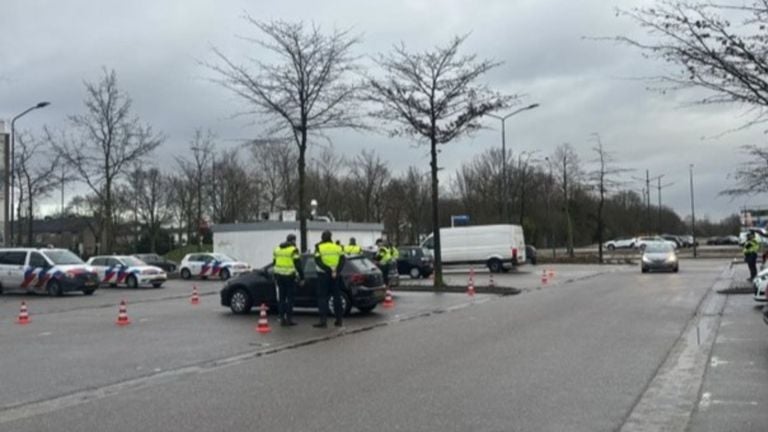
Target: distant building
<point x="75" y="233"/>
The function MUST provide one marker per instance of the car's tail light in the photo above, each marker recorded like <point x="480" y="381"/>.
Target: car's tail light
<point x="514" y="254"/>
<point x="357" y="278"/>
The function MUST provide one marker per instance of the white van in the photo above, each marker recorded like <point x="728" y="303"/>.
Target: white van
<point x="52" y="271"/>
<point x="500" y="247"/>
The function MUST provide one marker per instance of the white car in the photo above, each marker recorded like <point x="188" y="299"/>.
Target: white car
<point x="52" y="271"/>
<point x="123" y="270"/>
<point x="760" y="282"/>
<point x="207" y="265"/>
<point x="626" y="243"/>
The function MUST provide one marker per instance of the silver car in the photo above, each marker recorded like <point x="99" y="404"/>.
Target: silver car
<point x="659" y="256"/>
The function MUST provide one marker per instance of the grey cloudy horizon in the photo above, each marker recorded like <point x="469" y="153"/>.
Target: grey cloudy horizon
<point x="584" y="86"/>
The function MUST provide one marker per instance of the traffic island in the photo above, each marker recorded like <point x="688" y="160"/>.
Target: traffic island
<point x="479" y="289"/>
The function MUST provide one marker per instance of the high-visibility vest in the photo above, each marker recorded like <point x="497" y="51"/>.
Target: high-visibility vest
<point x="385" y="256"/>
<point x="394" y="253"/>
<point x="284" y="260"/>
<point x="751" y="246"/>
<point x="353" y="249"/>
<point x="329" y="253"/>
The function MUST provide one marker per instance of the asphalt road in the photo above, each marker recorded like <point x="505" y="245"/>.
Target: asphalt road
<point x="575" y="355"/>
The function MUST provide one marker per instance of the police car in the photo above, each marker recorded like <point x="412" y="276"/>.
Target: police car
<point x="123" y="270"/>
<point x="211" y="265"/>
<point x="52" y="271"/>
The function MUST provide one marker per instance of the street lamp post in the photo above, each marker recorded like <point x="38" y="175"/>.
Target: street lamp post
<point x="503" y="188"/>
<point x="693" y="213"/>
<point x="13" y="165"/>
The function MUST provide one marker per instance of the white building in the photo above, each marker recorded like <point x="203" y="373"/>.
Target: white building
<point x="255" y="242"/>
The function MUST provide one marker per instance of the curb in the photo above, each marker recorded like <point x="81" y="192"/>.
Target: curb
<point x="503" y="291"/>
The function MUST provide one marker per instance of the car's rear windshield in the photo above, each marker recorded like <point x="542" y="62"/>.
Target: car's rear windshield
<point x="62" y="257"/>
<point x="361" y="264"/>
<point x="658" y="247"/>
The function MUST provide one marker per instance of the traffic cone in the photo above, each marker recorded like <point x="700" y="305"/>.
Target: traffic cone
<point x="544" y="277"/>
<point x="263" y="325"/>
<point x="388" y="302"/>
<point x="122" y="315"/>
<point x="551" y="274"/>
<point x="195" y="300"/>
<point x="471" y="288"/>
<point x="472" y="273"/>
<point x="23" y="314"/>
<point x="490" y="281"/>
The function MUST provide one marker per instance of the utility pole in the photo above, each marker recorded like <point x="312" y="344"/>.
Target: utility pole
<point x="647" y="197"/>
<point x="659" y="188"/>
<point x="693" y="213"/>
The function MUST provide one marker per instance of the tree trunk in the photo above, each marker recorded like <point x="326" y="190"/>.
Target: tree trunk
<point x="600" y="227"/>
<point x="438" y="281"/>
<point x="108" y="223"/>
<point x="31" y="218"/>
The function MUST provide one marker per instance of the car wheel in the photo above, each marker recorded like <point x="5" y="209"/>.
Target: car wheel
<point x="611" y="247"/>
<point x="240" y="302"/>
<point x="88" y="292"/>
<point x="54" y="288"/>
<point x="346" y="305"/>
<point x="677" y="269"/>
<point x="495" y="266"/>
<point x="185" y="274"/>
<point x="366" y="309"/>
<point x="415" y="273"/>
<point x="224" y="274"/>
<point x="132" y="282"/>
<point x="644" y="270"/>
<point x="157" y="284"/>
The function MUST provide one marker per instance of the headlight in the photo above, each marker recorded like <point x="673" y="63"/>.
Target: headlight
<point x="646" y="259"/>
<point x="671" y="258"/>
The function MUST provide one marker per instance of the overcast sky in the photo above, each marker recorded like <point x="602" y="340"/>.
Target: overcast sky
<point x="48" y="47"/>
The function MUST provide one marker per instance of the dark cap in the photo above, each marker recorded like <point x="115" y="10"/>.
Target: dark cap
<point x="291" y="238"/>
<point x="326" y="236"/>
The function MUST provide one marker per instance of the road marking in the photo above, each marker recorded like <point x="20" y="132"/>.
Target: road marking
<point x="45" y="334"/>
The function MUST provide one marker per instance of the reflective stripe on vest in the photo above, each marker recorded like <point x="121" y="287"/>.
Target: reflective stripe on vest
<point x="284" y="258"/>
<point x="329" y="253"/>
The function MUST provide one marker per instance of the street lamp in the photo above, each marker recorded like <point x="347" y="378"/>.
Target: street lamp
<point x="13" y="166"/>
<point x="693" y="213"/>
<point x="503" y="119"/>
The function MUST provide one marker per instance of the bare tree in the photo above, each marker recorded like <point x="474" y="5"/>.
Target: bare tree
<point x="434" y="97"/>
<point x="275" y="160"/>
<point x="370" y="175"/>
<point x="714" y="46"/>
<point x="111" y="140"/>
<point x="307" y="92"/>
<point x="603" y="179"/>
<point x="35" y="166"/>
<point x="234" y="194"/>
<point x="150" y="191"/>
<point x="567" y="162"/>
<point x="198" y="172"/>
<point x="752" y="176"/>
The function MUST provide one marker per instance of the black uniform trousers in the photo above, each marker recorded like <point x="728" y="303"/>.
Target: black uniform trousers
<point x="286" y="295"/>
<point x="327" y="284"/>
<point x="751" y="259"/>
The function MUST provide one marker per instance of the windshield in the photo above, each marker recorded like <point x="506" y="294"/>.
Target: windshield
<point x="658" y="248"/>
<point x="361" y="264"/>
<point x="62" y="257"/>
<point x="132" y="262"/>
<point x="222" y="257"/>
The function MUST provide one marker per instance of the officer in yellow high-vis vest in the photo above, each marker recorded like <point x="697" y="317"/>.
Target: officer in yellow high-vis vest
<point x="352" y="248"/>
<point x="751" y="248"/>
<point x="287" y="267"/>
<point x="329" y="258"/>
<point x="383" y="259"/>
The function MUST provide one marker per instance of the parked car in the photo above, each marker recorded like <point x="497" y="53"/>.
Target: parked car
<point x="643" y="241"/>
<point x="500" y="247"/>
<point x="673" y="238"/>
<point x="688" y="241"/>
<point x="531" y="254"/>
<point x="760" y="282"/>
<point x="659" y="256"/>
<point x="362" y="287"/>
<point x="208" y="265"/>
<point x="158" y="261"/>
<point x="124" y="270"/>
<point x="723" y="240"/>
<point x="415" y="262"/>
<point x="624" y="243"/>
<point x="52" y="271"/>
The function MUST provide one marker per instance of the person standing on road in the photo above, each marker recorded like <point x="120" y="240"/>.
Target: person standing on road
<point x="383" y="258"/>
<point x="287" y="265"/>
<point x="751" y="248"/>
<point x="352" y="248"/>
<point x="329" y="258"/>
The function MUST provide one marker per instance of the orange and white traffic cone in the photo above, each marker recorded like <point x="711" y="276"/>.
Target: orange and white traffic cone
<point x="122" y="315"/>
<point x="491" y="283"/>
<point x="471" y="288"/>
<point x="23" y="314"/>
<point x="263" y="325"/>
<point x="551" y="274"/>
<point x="195" y="300"/>
<point x="544" y="277"/>
<point x="388" y="302"/>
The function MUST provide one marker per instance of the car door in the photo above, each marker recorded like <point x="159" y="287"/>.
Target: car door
<point x="39" y="268"/>
<point x="15" y="271"/>
<point x="195" y="264"/>
<point x="305" y="294"/>
<point x="99" y="265"/>
<point x="120" y="270"/>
